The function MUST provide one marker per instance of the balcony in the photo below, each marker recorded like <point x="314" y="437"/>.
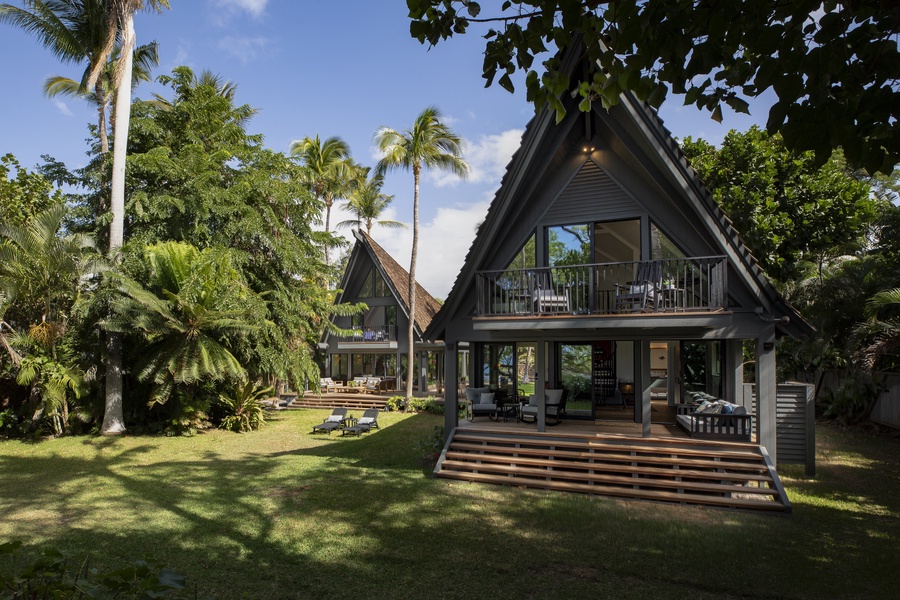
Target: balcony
<point x="670" y="286"/>
<point x="372" y="334"/>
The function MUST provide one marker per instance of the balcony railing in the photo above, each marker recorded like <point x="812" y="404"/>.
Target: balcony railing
<point x="373" y="333"/>
<point x="656" y="286"/>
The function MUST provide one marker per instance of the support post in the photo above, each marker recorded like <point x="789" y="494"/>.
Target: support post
<point x="673" y="369"/>
<point x="646" y="382"/>
<point x="451" y="401"/>
<point x="541" y="376"/>
<point x="766" y="392"/>
<point x="734" y="367"/>
<point x="423" y="372"/>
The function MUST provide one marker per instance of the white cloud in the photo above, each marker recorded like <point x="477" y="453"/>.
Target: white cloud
<point x="62" y="107"/>
<point x="487" y="159"/>
<point x="254" y="7"/>
<point x="244" y="49"/>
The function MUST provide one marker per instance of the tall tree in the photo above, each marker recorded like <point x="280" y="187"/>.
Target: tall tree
<point x="789" y="209"/>
<point x="197" y="175"/>
<point x="120" y="26"/>
<point x="327" y="169"/>
<point x="830" y="62"/>
<point x="368" y="202"/>
<point x="76" y="31"/>
<point x="428" y="144"/>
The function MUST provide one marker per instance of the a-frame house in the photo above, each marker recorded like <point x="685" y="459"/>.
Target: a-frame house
<point x="379" y="347"/>
<point x="604" y="267"/>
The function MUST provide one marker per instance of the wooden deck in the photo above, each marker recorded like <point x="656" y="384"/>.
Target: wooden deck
<point x="340" y="400"/>
<point x="611" y="459"/>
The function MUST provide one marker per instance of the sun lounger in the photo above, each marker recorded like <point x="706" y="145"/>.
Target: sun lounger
<point x="334" y="421"/>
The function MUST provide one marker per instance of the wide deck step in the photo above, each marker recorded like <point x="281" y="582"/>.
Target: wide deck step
<point x="723" y="474"/>
<point x="357" y="401"/>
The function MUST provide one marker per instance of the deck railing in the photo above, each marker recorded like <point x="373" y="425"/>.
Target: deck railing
<point x="657" y="286"/>
<point x="373" y="333"/>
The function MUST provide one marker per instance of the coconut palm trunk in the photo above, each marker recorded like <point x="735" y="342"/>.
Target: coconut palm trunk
<point x="113" y="415"/>
<point x="411" y="331"/>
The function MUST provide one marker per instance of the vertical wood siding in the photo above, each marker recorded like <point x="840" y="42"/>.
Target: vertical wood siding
<point x="592" y="196"/>
<point x="795" y="428"/>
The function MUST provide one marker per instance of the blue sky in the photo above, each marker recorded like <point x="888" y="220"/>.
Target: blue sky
<point x="332" y="68"/>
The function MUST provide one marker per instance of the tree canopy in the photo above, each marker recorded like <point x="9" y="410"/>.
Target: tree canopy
<point x="832" y="63"/>
<point x="789" y="210"/>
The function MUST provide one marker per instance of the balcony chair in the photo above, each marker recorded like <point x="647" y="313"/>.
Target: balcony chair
<point x="641" y="294"/>
<point x="546" y="297"/>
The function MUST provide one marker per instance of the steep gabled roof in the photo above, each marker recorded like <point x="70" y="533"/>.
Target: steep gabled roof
<point x="542" y="134"/>
<point x="398" y="278"/>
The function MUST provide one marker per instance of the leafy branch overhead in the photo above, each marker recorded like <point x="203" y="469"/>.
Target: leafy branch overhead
<point x="834" y="67"/>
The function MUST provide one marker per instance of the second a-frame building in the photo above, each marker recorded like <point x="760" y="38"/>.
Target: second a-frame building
<point x="604" y="268"/>
<point x="378" y="347"/>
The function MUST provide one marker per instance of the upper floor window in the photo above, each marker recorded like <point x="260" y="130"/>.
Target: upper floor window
<point x="569" y="245"/>
<point x="374" y="286"/>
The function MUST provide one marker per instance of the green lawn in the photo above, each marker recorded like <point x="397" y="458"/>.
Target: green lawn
<point x="280" y="513"/>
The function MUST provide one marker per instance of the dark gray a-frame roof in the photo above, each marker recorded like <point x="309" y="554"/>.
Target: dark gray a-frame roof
<point x="395" y="276"/>
<point x="639" y="142"/>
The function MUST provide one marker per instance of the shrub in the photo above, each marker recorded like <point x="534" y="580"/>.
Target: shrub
<point x="9" y="422"/>
<point x="244" y="411"/>
<point x="851" y="398"/>
<point x="429" y="449"/>
<point x="51" y="576"/>
<point x="396" y="403"/>
<point x="429" y="405"/>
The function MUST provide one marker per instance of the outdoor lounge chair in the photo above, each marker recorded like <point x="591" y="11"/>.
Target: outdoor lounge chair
<point x="556" y="405"/>
<point x="641" y="293"/>
<point x="363" y="424"/>
<point x="334" y="421"/>
<point x="546" y="297"/>
<point x="326" y="384"/>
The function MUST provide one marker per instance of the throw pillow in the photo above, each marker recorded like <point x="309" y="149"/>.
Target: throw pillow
<point x="727" y="408"/>
<point x="472" y="394"/>
<point x="487" y="398"/>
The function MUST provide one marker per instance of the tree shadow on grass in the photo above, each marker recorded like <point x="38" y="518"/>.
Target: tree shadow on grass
<point x="317" y="520"/>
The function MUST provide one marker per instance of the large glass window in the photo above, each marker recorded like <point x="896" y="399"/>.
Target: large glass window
<point x="569" y="245"/>
<point x="661" y="247"/>
<point x="374" y="286"/>
<point x="498" y="368"/>
<point x="617" y="241"/>
<point x="575" y="373"/>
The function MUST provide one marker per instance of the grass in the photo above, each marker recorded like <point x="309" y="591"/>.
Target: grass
<point x="280" y="513"/>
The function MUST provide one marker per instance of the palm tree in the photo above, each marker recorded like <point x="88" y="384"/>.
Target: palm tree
<point x="120" y="26"/>
<point x="429" y="143"/>
<point x="42" y="269"/>
<point x="367" y="202"/>
<point x="146" y="57"/>
<point x="194" y="302"/>
<point x="884" y="332"/>
<point x="327" y="169"/>
<point x="75" y="31"/>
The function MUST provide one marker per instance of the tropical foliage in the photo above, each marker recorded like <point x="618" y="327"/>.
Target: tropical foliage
<point x="831" y="62"/>
<point x="244" y="408"/>
<point x="790" y="211"/>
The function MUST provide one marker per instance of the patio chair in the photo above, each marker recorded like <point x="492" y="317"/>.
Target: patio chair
<point x="529" y="411"/>
<point x="641" y="293"/>
<point x="546" y="297"/>
<point x="326" y="384"/>
<point x="556" y="405"/>
<point x="335" y="420"/>
<point x="369" y="419"/>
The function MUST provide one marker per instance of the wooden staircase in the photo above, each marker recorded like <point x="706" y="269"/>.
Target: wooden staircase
<point x="355" y="401"/>
<point x="722" y="474"/>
